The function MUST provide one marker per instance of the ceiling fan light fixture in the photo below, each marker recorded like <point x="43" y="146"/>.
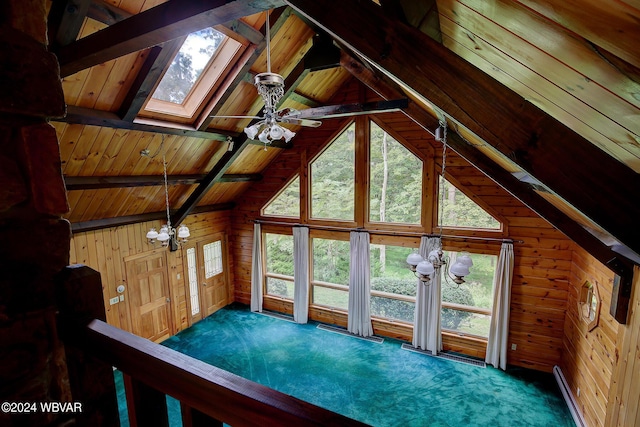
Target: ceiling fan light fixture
<point x="252" y="131"/>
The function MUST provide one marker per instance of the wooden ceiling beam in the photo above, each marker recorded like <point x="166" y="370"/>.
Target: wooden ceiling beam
<point x="74" y="183"/>
<point x="105" y="12"/>
<point x="216" y="173"/>
<point x="164" y="22"/>
<point x="88" y="116"/>
<point x="65" y="21"/>
<point x="158" y="57"/>
<point x="593" y="182"/>
<point x="98" y="224"/>
<point x="522" y="191"/>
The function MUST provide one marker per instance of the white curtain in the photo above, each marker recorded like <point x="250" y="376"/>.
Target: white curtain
<point x="359" y="319"/>
<point x="426" y="321"/>
<point x="301" y="274"/>
<point x="499" y="329"/>
<point x="256" y="270"/>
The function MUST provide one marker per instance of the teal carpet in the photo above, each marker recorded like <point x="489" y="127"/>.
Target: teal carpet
<point x="379" y="384"/>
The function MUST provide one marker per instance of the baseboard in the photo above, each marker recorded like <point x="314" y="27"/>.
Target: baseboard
<point x="568" y="397"/>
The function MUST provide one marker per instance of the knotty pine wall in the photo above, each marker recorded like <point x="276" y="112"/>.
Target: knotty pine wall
<point x="542" y="261"/>
<point x="104" y="250"/>
<point x="589" y="357"/>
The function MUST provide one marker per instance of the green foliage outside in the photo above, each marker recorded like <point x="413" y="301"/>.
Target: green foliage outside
<point x="395" y="177"/>
<point x="279" y="254"/>
<point x="461" y="211"/>
<point x="287" y="203"/>
<point x="333" y="179"/>
<point x="331" y="260"/>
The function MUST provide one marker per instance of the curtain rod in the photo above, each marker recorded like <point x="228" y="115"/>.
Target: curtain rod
<point x="387" y="233"/>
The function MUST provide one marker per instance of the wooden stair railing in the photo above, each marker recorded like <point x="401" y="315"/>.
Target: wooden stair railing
<point x="209" y="396"/>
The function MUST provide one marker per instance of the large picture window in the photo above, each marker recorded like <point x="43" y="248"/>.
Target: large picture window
<point x="330" y="277"/>
<point x="467" y="308"/>
<point x="279" y="265"/>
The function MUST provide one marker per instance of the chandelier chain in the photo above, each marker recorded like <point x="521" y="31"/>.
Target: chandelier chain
<point x="166" y="189"/>
<point x="443" y="125"/>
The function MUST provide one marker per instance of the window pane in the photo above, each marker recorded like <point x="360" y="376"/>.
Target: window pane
<point x="460" y="211"/>
<point x="333" y="179"/>
<point x="287" y="203"/>
<point x="331" y="261"/>
<point x="212" y="259"/>
<point x="393" y="308"/>
<point x="279" y="287"/>
<point x="192" y="274"/>
<point x="465" y="322"/>
<point x="332" y="297"/>
<point x="389" y="274"/>
<point x="187" y="66"/>
<point x="395" y="191"/>
<point x="477" y="290"/>
<point x="279" y="257"/>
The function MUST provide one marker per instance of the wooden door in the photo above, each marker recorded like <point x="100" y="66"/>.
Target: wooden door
<point x="149" y="298"/>
<point x="213" y="273"/>
<point x="206" y="276"/>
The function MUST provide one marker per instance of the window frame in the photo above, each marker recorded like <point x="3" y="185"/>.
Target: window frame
<point x="309" y="187"/>
<point x="326" y="235"/>
<point x="265" y="274"/>
<point x="462" y="307"/>
<point x="399" y="241"/>
<point x="218" y="70"/>
<point x="279" y="193"/>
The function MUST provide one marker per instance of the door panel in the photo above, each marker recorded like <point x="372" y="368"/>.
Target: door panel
<point x="213" y="274"/>
<point x="149" y="299"/>
<point x="194" y="297"/>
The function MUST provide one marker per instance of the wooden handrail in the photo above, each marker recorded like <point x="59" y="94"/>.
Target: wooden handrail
<point x="219" y="394"/>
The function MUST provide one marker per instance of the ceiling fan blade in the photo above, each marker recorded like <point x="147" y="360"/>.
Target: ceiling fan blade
<point x="301" y="122"/>
<point x="236" y="117"/>
<point x="331" y="111"/>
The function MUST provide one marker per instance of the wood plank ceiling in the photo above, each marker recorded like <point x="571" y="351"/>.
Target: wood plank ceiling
<point x="543" y="95"/>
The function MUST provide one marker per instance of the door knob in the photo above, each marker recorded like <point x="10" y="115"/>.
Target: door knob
<point x="168" y="299"/>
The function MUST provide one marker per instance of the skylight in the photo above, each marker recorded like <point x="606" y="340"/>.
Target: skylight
<point x="200" y="66"/>
<point x="188" y="65"/>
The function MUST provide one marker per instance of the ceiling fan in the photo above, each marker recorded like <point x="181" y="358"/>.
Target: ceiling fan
<point x="271" y="88"/>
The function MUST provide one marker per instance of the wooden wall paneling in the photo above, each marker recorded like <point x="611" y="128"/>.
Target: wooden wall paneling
<point x="573" y="50"/>
<point x="96" y="207"/>
<point x="619" y="111"/>
<point x="624" y="396"/>
<point x="127" y="148"/>
<point x="547" y="96"/>
<point x="80" y="149"/>
<point x="111" y="151"/>
<point x="590" y="357"/>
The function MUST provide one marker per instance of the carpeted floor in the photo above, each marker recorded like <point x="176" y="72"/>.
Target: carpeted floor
<point x="377" y="383"/>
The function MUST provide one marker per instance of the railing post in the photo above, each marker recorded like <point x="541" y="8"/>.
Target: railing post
<point x="79" y="299"/>
<point x="191" y="417"/>
<point x="147" y="406"/>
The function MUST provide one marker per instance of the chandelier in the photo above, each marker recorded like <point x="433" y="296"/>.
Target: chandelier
<point x="271" y="88"/>
<point x="425" y="268"/>
<point x="167" y="236"/>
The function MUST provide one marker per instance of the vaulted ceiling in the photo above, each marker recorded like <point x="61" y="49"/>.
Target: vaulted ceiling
<point x="542" y="95"/>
